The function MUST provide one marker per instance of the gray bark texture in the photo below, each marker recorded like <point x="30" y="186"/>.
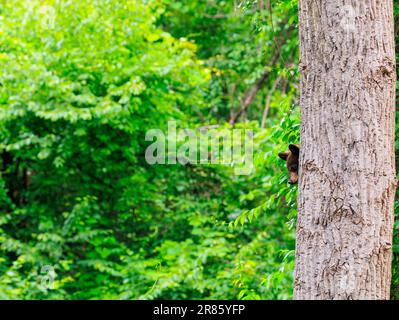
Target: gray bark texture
<point x="347" y="179"/>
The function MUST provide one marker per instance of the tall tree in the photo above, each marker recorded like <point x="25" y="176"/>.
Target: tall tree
<point x="347" y="177"/>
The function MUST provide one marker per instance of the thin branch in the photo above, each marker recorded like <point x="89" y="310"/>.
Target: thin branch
<point x="251" y="93"/>
<point x="268" y="99"/>
<point x="219" y="15"/>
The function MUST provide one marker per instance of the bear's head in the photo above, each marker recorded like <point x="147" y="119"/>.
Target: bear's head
<point x="292" y="159"/>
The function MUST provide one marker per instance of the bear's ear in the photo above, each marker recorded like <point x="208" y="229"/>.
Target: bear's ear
<point x="294" y="149"/>
<point x="283" y="155"/>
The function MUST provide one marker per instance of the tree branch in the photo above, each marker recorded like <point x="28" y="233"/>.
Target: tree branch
<point x="251" y="93"/>
<point x="268" y="99"/>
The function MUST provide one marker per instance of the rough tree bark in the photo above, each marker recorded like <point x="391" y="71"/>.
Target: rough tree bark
<point x="347" y="162"/>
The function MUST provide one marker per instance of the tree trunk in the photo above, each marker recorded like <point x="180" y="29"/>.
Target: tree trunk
<point x="347" y="161"/>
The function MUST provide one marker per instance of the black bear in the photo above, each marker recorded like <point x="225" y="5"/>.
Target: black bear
<point x="292" y="159"/>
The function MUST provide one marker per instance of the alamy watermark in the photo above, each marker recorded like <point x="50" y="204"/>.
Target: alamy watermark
<point x="47" y="277"/>
<point x="229" y="147"/>
<point x="348" y="18"/>
<point x="45" y="14"/>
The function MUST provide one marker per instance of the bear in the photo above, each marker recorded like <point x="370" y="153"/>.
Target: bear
<point x="292" y="160"/>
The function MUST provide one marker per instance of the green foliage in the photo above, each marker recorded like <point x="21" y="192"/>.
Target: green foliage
<point x="81" y="84"/>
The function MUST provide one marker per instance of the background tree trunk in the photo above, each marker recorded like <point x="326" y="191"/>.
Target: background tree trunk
<point x="347" y="177"/>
